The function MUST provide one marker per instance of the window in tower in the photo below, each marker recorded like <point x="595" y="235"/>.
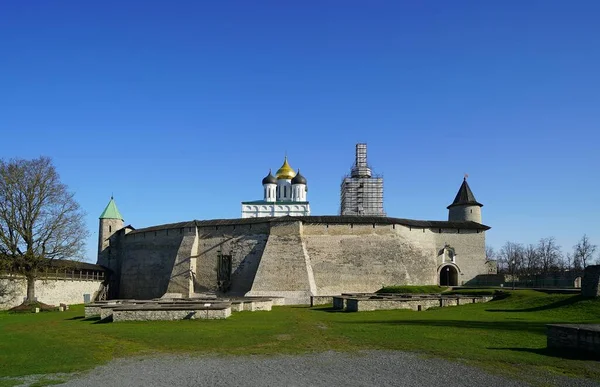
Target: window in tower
<point x="284" y="192"/>
<point x="109" y="228"/>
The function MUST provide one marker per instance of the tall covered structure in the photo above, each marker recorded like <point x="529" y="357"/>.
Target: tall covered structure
<point x="361" y="191"/>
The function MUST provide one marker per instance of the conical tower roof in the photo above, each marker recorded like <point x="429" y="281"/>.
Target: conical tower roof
<point x="465" y="196"/>
<point x="111" y="211"/>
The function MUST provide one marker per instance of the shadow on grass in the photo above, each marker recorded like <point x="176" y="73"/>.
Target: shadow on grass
<point x="90" y="319"/>
<point x="329" y="309"/>
<point x="524" y="326"/>
<point x="75" y="318"/>
<point x="99" y="320"/>
<point x="554" y="305"/>
<point x="562" y="353"/>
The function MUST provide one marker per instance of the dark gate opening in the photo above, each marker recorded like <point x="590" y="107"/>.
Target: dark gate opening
<point x="224" y="272"/>
<point x="448" y="276"/>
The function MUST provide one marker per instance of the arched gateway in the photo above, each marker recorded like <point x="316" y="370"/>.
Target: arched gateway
<point x="448" y="276"/>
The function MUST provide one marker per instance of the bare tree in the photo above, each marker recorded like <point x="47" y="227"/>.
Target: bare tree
<point x="550" y="254"/>
<point x="583" y="252"/>
<point x="570" y="262"/>
<point x="531" y="260"/>
<point x="490" y="253"/>
<point x="511" y="255"/>
<point x="39" y="219"/>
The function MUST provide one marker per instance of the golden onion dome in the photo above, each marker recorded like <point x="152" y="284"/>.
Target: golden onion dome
<point x="285" y="172"/>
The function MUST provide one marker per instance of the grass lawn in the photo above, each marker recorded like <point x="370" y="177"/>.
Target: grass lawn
<point x="505" y="336"/>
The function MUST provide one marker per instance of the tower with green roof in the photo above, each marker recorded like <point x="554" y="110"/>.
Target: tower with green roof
<point x="111" y="221"/>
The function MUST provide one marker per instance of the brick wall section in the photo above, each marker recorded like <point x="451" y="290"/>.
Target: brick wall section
<point x="148" y="260"/>
<point x="283" y="268"/>
<point x="245" y="243"/>
<point x="363" y="258"/>
<point x="181" y="280"/>
<point x="591" y="281"/>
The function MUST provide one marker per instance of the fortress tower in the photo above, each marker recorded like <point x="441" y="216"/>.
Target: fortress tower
<point x="111" y="221"/>
<point x="465" y="207"/>
<point x="361" y="193"/>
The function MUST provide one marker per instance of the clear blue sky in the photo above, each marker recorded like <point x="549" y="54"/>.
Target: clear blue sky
<point x="180" y="108"/>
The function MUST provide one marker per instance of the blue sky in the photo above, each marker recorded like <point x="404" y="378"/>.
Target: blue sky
<point x="180" y="108"/>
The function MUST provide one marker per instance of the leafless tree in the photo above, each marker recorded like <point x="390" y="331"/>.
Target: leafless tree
<point x="490" y="253"/>
<point x="583" y="252"/>
<point x="570" y="263"/>
<point x="512" y="257"/>
<point x="39" y="219"/>
<point x="531" y="260"/>
<point x="550" y="254"/>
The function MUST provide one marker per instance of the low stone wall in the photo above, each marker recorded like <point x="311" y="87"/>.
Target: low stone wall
<point x="363" y="305"/>
<point x="410" y="302"/>
<point x="92" y="311"/>
<point x="170" y="314"/>
<point x="578" y="337"/>
<point x="258" y="305"/>
<point x="50" y="291"/>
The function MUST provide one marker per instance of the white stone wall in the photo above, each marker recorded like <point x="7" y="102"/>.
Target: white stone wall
<point x="299" y="192"/>
<point x="264" y="210"/>
<point x="284" y="190"/>
<point x="51" y="292"/>
<point x="269" y="192"/>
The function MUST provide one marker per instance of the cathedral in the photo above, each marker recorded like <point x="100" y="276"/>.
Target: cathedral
<point x="283" y="195"/>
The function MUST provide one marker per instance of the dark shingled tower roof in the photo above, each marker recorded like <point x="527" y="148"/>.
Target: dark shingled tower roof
<point x="269" y="179"/>
<point x="299" y="179"/>
<point x="465" y="197"/>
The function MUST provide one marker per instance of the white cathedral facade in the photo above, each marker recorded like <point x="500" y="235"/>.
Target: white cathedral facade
<point x="283" y="194"/>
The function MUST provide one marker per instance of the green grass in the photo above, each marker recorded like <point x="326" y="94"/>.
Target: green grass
<point x="477" y="292"/>
<point x="505" y="336"/>
<point x="412" y="289"/>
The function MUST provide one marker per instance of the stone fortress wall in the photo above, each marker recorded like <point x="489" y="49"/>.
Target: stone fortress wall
<point x="50" y="291"/>
<point x="295" y="257"/>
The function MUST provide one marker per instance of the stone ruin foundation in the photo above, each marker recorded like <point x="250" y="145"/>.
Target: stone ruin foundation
<point x="172" y="307"/>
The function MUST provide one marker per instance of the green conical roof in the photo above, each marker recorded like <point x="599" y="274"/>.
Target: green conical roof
<point x="111" y="211"/>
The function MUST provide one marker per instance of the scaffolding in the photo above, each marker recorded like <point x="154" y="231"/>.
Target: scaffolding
<point x="361" y="191"/>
